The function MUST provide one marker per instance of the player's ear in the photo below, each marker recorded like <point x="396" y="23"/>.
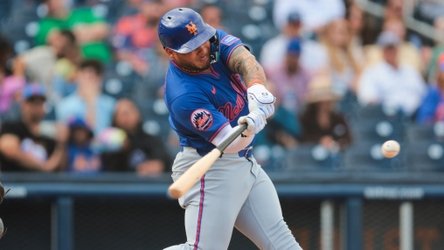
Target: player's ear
<point x="169" y="52"/>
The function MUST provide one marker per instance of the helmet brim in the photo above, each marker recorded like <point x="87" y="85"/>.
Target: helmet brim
<point x="197" y="40"/>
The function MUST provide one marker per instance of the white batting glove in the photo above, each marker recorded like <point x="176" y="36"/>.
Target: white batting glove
<point x="255" y="121"/>
<point x="259" y="98"/>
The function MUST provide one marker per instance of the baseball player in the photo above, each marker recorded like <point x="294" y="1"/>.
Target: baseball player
<point x="213" y="84"/>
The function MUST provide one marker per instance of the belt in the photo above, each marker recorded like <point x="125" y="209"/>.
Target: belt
<point x="247" y="152"/>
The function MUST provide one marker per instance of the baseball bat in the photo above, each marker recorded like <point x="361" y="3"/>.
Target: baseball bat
<point x="187" y="180"/>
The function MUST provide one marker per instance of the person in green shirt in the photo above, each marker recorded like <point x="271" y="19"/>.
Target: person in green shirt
<point x="90" y="30"/>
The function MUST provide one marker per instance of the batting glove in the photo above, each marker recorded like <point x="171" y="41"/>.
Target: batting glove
<point x="255" y="121"/>
<point x="259" y="98"/>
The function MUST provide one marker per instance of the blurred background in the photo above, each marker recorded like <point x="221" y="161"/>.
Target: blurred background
<point x="86" y="148"/>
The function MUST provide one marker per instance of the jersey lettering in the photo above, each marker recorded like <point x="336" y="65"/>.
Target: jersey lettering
<point x="232" y="112"/>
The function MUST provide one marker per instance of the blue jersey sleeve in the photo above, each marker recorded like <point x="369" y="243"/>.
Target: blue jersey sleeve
<point x="227" y="45"/>
<point x="193" y="114"/>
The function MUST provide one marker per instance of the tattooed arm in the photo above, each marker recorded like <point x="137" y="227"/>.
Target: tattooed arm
<point x="244" y="63"/>
<point x="259" y="98"/>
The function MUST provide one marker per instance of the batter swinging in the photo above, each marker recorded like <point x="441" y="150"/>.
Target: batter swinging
<point x="213" y="84"/>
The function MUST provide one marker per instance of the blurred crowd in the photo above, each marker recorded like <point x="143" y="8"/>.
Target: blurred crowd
<point x="85" y="95"/>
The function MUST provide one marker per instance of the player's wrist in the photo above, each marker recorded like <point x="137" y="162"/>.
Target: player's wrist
<point x="253" y="84"/>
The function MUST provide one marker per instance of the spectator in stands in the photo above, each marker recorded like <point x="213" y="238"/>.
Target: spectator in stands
<point x="342" y="64"/>
<point x="143" y="153"/>
<point x="171" y="4"/>
<point x="134" y="35"/>
<point x="391" y="83"/>
<point x="321" y="123"/>
<point x="314" y="14"/>
<point x="90" y="30"/>
<point x="23" y="147"/>
<point x="212" y="15"/>
<point x="394" y="10"/>
<point x="432" y="107"/>
<point x="274" y="50"/>
<point x="438" y="49"/>
<point x="290" y="79"/>
<point x="88" y="101"/>
<point x="81" y="157"/>
<point x="53" y="65"/>
<point x="65" y="68"/>
<point x="355" y="22"/>
<point x="407" y="52"/>
<point x="10" y="85"/>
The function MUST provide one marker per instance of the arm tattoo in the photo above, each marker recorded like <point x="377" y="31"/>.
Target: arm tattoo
<point x="244" y="63"/>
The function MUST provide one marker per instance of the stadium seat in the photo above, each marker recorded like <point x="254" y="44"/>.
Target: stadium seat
<point x="348" y="105"/>
<point x="310" y="157"/>
<point x="425" y="156"/>
<point x="119" y="80"/>
<point x="374" y="124"/>
<point x="427" y="132"/>
<point x="425" y="147"/>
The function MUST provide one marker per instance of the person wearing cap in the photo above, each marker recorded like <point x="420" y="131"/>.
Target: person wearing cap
<point x="273" y="51"/>
<point x="432" y="106"/>
<point x="321" y="123"/>
<point x="23" y="147"/>
<point x="290" y="79"/>
<point x="408" y="52"/>
<point x="389" y="83"/>
<point x="81" y="157"/>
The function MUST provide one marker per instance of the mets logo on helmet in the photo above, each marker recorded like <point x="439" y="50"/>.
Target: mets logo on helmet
<point x="191" y="27"/>
<point x="201" y="119"/>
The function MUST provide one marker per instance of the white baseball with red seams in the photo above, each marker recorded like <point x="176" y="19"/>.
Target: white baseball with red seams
<point x="390" y="148"/>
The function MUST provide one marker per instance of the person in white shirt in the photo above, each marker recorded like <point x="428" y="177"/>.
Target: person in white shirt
<point x="394" y="85"/>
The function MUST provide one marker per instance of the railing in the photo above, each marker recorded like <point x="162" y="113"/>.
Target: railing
<point x="343" y="200"/>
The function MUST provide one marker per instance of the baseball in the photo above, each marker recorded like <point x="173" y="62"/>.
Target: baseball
<point x="390" y="148"/>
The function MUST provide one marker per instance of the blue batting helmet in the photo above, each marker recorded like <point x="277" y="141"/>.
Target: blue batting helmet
<point x="183" y="30"/>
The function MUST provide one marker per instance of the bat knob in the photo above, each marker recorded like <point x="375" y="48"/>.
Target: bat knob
<point x="174" y="193"/>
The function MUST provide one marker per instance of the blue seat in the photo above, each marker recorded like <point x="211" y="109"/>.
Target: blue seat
<point x="374" y="124"/>
<point x="425" y="147"/>
<point x="425" y="156"/>
<point x="310" y="157"/>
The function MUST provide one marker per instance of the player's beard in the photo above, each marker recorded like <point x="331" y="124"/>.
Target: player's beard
<point x="194" y="68"/>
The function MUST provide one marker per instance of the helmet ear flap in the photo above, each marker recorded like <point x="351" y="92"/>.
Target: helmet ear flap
<point x="214" y="49"/>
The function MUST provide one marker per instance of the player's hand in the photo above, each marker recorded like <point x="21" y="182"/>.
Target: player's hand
<point x="259" y="98"/>
<point x="255" y="121"/>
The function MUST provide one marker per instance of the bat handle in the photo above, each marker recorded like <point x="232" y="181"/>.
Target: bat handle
<point x="238" y="130"/>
